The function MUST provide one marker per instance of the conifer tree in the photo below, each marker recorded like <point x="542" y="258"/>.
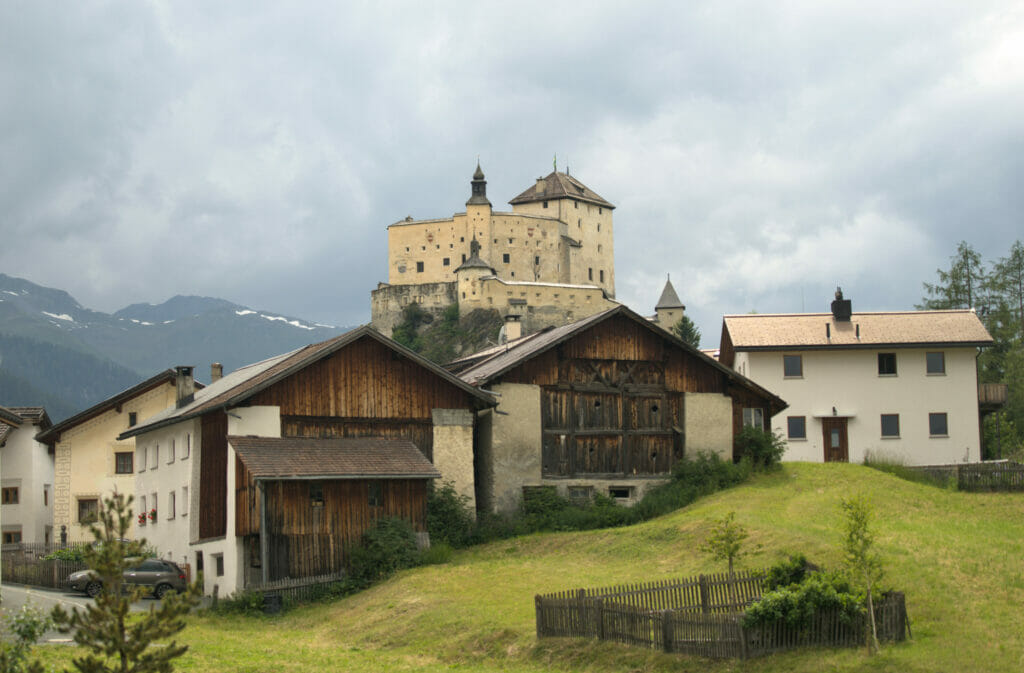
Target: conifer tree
<point x="687" y="331"/>
<point x="114" y="642"/>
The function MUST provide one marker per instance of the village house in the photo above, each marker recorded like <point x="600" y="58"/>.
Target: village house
<point x="897" y="384"/>
<point x="607" y="405"/>
<point x="26" y="483"/>
<point x="90" y="461"/>
<point x="310" y="447"/>
<point x="548" y="262"/>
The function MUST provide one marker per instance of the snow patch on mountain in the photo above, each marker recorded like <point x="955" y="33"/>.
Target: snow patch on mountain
<point x="61" y="316"/>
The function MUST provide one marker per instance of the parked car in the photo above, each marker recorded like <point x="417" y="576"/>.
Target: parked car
<point x="160" y="576"/>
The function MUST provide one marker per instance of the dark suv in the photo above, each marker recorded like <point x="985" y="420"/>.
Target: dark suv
<point x="160" y="576"/>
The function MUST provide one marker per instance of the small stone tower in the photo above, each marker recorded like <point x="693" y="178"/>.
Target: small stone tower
<point x="669" y="309"/>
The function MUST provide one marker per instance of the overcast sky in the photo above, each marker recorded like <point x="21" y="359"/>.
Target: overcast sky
<point x="761" y="153"/>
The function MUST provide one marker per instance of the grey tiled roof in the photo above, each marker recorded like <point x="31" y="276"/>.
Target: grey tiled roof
<point x="8" y="416"/>
<point x="669" y="298"/>
<point x="338" y="458"/>
<point x="561" y="186"/>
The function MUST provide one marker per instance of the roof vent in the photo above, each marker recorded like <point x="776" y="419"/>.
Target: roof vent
<point x="185" y="386"/>
<point x="842" y="309"/>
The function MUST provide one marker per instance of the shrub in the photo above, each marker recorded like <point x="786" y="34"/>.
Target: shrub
<point x="764" y="449"/>
<point x="449" y="518"/>
<point x="692" y="479"/>
<point x="387" y="547"/>
<point x="436" y="554"/>
<point x="791" y="571"/>
<point x="796" y="604"/>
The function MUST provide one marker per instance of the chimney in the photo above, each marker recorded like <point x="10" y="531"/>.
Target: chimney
<point x="842" y="309"/>
<point x="542" y="186"/>
<point x="216" y="372"/>
<point x="185" y="385"/>
<point x="513" y="328"/>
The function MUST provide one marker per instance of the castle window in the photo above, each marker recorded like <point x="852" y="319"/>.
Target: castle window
<point x="538" y="295"/>
<point x="545" y="204"/>
<point x="463" y="295"/>
<point x="599" y="247"/>
<point x="495" y="240"/>
<point x="590" y="274"/>
<point x="438" y="246"/>
<point x="510" y="241"/>
<point x="419" y="267"/>
<point x="462" y="239"/>
<point x="451" y="245"/>
<point x="505" y="258"/>
<point x="575" y="204"/>
<point x="579" y="222"/>
<point x="463" y="257"/>
<point x="599" y="226"/>
<point x="423" y="247"/>
<point x="599" y="211"/>
<point x="536" y="260"/>
<point x="601" y="274"/>
<point x="446" y="261"/>
<point x="407" y="249"/>
<point x="513" y="274"/>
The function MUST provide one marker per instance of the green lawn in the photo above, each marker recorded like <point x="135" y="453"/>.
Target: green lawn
<point x="958" y="556"/>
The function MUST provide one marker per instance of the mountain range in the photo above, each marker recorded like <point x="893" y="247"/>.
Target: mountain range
<point x="58" y="354"/>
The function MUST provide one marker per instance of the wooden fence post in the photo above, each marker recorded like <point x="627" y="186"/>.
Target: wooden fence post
<point x="742" y="633"/>
<point x="666" y="630"/>
<point x="705" y="598"/>
<point x="600" y="619"/>
<point x="540" y="618"/>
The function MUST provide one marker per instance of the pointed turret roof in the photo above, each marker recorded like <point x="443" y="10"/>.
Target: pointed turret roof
<point x="478" y="195"/>
<point x="474" y="261"/>
<point x="669" y="298"/>
<point x="561" y="186"/>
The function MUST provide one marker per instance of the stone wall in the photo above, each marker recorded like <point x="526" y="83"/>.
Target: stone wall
<point x="388" y="301"/>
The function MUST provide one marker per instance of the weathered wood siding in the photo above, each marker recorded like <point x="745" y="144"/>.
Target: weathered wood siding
<point x="307" y="539"/>
<point x="213" y="483"/>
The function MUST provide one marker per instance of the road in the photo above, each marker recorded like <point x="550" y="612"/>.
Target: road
<point x="15" y="595"/>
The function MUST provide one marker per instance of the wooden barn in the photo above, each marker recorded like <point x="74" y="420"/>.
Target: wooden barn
<point x="605" y="405"/>
<point x="413" y="421"/>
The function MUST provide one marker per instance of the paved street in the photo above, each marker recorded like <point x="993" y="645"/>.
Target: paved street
<point x="15" y="595"/>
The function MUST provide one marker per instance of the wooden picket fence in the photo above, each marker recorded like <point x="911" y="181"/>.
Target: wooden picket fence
<point x="297" y="590"/>
<point x="702" y="616"/>
<point x="23" y="564"/>
<point x="991" y="476"/>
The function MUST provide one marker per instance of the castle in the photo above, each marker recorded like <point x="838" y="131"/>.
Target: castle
<point x="549" y="262"/>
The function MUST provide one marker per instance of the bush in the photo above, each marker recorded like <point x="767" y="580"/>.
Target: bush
<point x="791" y="571"/>
<point x="449" y="518"/>
<point x="436" y="554"/>
<point x="797" y="604"/>
<point x="691" y="479"/>
<point x="387" y="547"/>
<point x="764" y="449"/>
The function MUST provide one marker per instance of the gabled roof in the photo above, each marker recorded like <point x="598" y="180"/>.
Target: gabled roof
<point x="36" y="415"/>
<point x="335" y="458"/>
<point x="669" y="298"/>
<point x="9" y="417"/>
<point x="5" y="431"/>
<point x="483" y="367"/>
<point x="863" y="330"/>
<point x="52" y="435"/>
<point x="561" y="186"/>
<point x="245" y="382"/>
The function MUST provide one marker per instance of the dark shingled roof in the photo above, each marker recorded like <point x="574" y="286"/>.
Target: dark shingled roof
<point x="484" y="366"/>
<point x="245" y="382"/>
<point x="9" y="417"/>
<point x="337" y="458"/>
<point x="36" y="415"/>
<point x="53" y="434"/>
<point x="669" y="298"/>
<point x="5" y="430"/>
<point x="561" y="186"/>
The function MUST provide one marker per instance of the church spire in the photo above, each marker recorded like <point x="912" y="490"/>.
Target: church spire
<point x="478" y="197"/>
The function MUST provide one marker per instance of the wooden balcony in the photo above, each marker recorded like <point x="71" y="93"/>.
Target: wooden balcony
<point x="991" y="396"/>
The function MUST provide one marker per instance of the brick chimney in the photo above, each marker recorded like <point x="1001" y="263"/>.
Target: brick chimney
<point x="185" y="384"/>
<point x="216" y="372"/>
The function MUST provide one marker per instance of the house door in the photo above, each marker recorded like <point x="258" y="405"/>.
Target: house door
<point x="834" y="431"/>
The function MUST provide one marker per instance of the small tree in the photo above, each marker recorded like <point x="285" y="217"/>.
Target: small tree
<point x="27" y="625"/>
<point x="863" y="562"/>
<point x="115" y="643"/>
<point x="725" y="543"/>
<point x="686" y="330"/>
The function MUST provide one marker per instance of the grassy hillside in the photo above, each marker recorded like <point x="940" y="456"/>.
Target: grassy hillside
<point x="958" y="557"/>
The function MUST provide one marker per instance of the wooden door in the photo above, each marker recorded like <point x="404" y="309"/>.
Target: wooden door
<point x="834" y="436"/>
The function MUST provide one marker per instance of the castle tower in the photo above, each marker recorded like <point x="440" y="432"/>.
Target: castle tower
<point x="468" y="275"/>
<point x="669" y="309"/>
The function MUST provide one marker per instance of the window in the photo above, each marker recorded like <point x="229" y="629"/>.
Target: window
<point x="218" y="564"/>
<point x="796" y="427"/>
<point x="9" y="495"/>
<point x="170" y="504"/>
<point x="545" y="204"/>
<point x="142" y="458"/>
<point x="590" y="274"/>
<point x="12" y="536"/>
<point x="419" y="267"/>
<point x="133" y="418"/>
<point x="890" y="425"/>
<point x="170" y="454"/>
<point x="463" y="257"/>
<point x="46" y="496"/>
<point x="123" y="463"/>
<point x="938" y="425"/>
<point x="184" y="500"/>
<point x="447" y="261"/>
<point x="536" y="260"/>
<point x="887" y="364"/>
<point x="316" y="494"/>
<point x="620" y="492"/>
<point x="154" y="457"/>
<point x="505" y="258"/>
<point x="935" y="363"/>
<point x="88" y="509"/>
<point x="793" y="366"/>
<point x="753" y="417"/>
<point x="575" y="204"/>
<point x="601" y="275"/>
<point x="581" y="494"/>
<point x="376" y="494"/>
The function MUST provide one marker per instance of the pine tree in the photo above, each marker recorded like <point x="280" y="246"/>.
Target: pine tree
<point x="687" y="331"/>
<point x="962" y="286"/>
<point x="115" y="643"/>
